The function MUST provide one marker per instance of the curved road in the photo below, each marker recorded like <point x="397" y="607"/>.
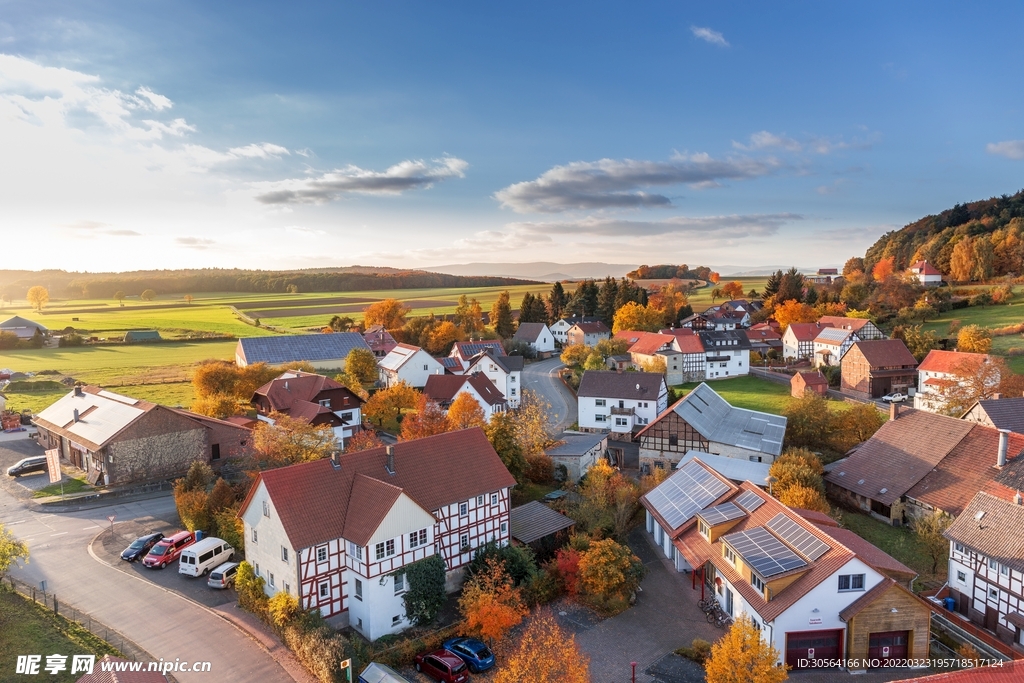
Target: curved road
<point x="541" y="378"/>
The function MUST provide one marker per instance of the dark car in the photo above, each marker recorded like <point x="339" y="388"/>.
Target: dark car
<point x="442" y="665"/>
<point x="477" y="656"/>
<point x="37" y="463"/>
<point x="140" y="547"/>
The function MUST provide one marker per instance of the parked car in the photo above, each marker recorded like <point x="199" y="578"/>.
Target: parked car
<point x="442" y="665"/>
<point x="140" y="547"/>
<point x="477" y="656"/>
<point x="167" y="550"/>
<point x="204" y="555"/>
<point x="37" y="463"/>
<point x="223" y="575"/>
<point x="894" y="397"/>
<point x="381" y="673"/>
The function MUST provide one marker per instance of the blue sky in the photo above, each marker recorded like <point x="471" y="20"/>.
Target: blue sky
<point x="146" y="135"/>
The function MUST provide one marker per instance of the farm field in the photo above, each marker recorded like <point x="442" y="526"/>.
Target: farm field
<point x="990" y="317"/>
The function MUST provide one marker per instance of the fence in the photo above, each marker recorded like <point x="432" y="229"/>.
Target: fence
<point x="126" y="646"/>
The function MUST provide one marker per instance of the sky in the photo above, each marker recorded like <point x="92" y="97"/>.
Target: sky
<point x="140" y="135"/>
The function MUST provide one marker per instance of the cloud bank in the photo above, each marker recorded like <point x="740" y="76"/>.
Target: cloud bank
<point x="710" y="36"/>
<point x="1011" y="149"/>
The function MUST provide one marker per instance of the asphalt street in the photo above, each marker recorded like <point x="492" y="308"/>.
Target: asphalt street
<point x="144" y="606"/>
<point x="541" y="378"/>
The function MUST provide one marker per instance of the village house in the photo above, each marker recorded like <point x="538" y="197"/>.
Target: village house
<point x="763" y="339"/>
<point x="587" y="334"/>
<point x="813" y="593"/>
<point x="505" y="372"/>
<point x="726" y="353"/>
<point x="577" y="453"/>
<point x="443" y="389"/>
<point x="311" y="398"/>
<point x="560" y="329"/>
<point x="23" y="328"/>
<point x="830" y="345"/>
<point x="999" y="411"/>
<point x="537" y="335"/>
<point x="864" y="328"/>
<point x="926" y="274"/>
<point x="872" y="369"/>
<point x="409" y="364"/>
<point x="920" y="462"/>
<point x="941" y="371"/>
<point x="803" y="382"/>
<point x="704" y="422"/>
<point x="336" y="533"/>
<point x="647" y="349"/>
<point x="798" y="339"/>
<point x="824" y="276"/>
<point x="619" y="402"/>
<point x="323" y="351"/>
<point x="118" y="440"/>
<point x="723" y="319"/>
<point x="743" y="307"/>
<point x="465" y="351"/>
<point x="379" y="340"/>
<point x="735" y="470"/>
<point x="986" y="565"/>
<point x="697" y="322"/>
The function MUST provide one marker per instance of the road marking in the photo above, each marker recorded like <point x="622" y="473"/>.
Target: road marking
<point x="60" y="534"/>
<point x="94" y="526"/>
<point x="20" y="521"/>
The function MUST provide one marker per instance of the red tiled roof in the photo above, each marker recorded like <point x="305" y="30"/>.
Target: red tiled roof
<point x="991" y="534"/>
<point x="815" y="517"/>
<point x="1007" y="672"/>
<point x="871" y="554"/>
<point x="307" y="410"/>
<point x="313" y="500"/>
<point x="593" y="328"/>
<point x="689" y="343"/>
<point x="855" y="324"/>
<point x="369" y="504"/>
<point x="952" y="362"/>
<point x="297" y="386"/>
<point x="486" y="389"/>
<point x="858" y="605"/>
<point x="885" y="353"/>
<point x="812" y="378"/>
<point x="444" y="388"/>
<point x="806" y="331"/>
<point x="650" y="343"/>
<point x="763" y="334"/>
<point x="924" y="268"/>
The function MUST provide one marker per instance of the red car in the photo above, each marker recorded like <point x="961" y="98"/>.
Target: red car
<point x="442" y="665"/>
<point x="168" y="550"/>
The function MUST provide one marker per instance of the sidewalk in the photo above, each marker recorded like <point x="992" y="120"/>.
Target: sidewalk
<point x="265" y="638"/>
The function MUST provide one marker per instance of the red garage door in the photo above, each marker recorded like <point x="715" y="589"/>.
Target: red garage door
<point x="807" y="645"/>
<point x="888" y="645"/>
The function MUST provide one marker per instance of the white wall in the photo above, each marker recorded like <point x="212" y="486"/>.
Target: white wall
<point x="738" y="363"/>
<point x="508" y="383"/>
<point x="266" y="552"/>
<point x="644" y="413"/>
<point x="414" y="371"/>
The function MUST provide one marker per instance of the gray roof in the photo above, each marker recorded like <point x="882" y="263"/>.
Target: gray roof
<point x="528" y="332"/>
<point x="507" y="363"/>
<point x="535" y="520"/>
<point x="833" y="334"/>
<point x="1005" y="413"/>
<point x="300" y="347"/>
<point x="983" y="526"/>
<point x="733" y="469"/>
<point x="716" y="420"/>
<point x="633" y="385"/>
<point x="575" y="444"/>
<point x="731" y="340"/>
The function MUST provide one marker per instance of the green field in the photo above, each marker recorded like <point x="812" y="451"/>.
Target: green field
<point x="990" y="317"/>
<point x="754" y="393"/>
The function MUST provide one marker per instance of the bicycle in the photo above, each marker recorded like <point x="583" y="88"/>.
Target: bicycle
<point x="718" y="617"/>
<point x="707" y="604"/>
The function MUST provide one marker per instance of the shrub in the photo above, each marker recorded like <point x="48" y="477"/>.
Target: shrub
<point x="320" y="649"/>
<point x="540" y="469"/>
<point x="193" y="510"/>
<point x="250" y="590"/>
<point x="518" y="561"/>
<point x="543" y="586"/>
<point x="426" y="594"/>
<point x="71" y="340"/>
<point x="609" y="573"/>
<point x="566" y="567"/>
<point x="282" y="609"/>
<point x="699" y="651"/>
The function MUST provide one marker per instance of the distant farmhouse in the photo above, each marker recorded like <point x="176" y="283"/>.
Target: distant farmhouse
<point x="23" y="327"/>
<point x="327" y="351"/>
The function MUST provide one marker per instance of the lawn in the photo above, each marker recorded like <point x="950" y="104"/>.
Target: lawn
<point x="29" y="629"/>
<point x="700" y="299"/>
<point x="900" y="542"/>
<point x="990" y="317"/>
<point x="754" y="393"/>
<point x="70" y="485"/>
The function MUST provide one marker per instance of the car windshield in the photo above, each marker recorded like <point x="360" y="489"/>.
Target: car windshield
<point x="159" y="549"/>
<point x="215" y="576"/>
<point x="459" y="668"/>
<point x="137" y="544"/>
<point x="483" y="653"/>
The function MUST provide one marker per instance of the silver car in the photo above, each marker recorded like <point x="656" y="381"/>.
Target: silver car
<point x="223" y="575"/>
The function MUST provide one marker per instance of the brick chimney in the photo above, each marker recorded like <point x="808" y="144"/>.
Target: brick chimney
<point x="336" y="459"/>
<point x="390" y="464"/>
<point x="1004" y="444"/>
<point x="894" y="410"/>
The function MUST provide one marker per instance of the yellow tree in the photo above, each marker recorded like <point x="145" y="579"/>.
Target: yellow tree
<point x="289" y="441"/>
<point x="38" y="296"/>
<point x="361" y="364"/>
<point x="884" y="268"/>
<point x="800" y="496"/>
<point x="441" y="338"/>
<point x="575" y="355"/>
<point x="961" y="261"/>
<point x="792" y="311"/>
<point x="387" y="404"/>
<point x="428" y="420"/>
<point x="609" y="570"/>
<point x="12" y="551"/>
<point x="491" y="603"/>
<point x="388" y="312"/>
<point x="465" y="412"/>
<point x="732" y="290"/>
<point x="215" y="405"/>
<point x="530" y="421"/>
<point x="544" y="653"/>
<point x="741" y="656"/>
<point x="633" y="316"/>
<point x="973" y="339"/>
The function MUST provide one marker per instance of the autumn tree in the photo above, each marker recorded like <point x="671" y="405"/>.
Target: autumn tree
<point x="119" y="295"/>
<point x="465" y="412"/>
<point x="501" y="432"/>
<point x="792" y="311"/>
<point x="974" y="379"/>
<point x="219" y="406"/>
<point x="469" y="316"/>
<point x="918" y="341"/>
<point x="797" y="467"/>
<point x="929" y="530"/>
<point x="633" y="316"/>
<point x="807" y="421"/>
<point x="361" y="365"/>
<point x="714" y="277"/>
<point x="732" y="290"/>
<point x="656" y="364"/>
<point x="428" y="420"/>
<point x="289" y="441"/>
<point x="387" y="404"/>
<point x="742" y="656"/>
<point x="441" y="339"/>
<point x="883" y="270"/>
<point x="800" y="496"/>
<point x="189" y="299"/>
<point x="388" y="312"/>
<point x="961" y="260"/>
<point x="853" y="426"/>
<point x="490" y="603"/>
<point x="973" y="339"/>
<point x="501" y="316"/>
<point x="609" y="572"/>
<point x="544" y="653"/>
<point x="575" y="355"/>
<point x="363" y="440"/>
<point x="12" y="551"/>
<point x="38" y="296"/>
<point x="147" y="295"/>
<point x="341" y="323"/>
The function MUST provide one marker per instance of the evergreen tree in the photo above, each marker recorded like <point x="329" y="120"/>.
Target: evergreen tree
<point x="501" y="316"/>
<point x="590" y="294"/>
<point x="811" y="297"/>
<point x="556" y="302"/>
<point x="606" y="301"/>
<point x="772" y="286"/>
<point x="791" y="286"/>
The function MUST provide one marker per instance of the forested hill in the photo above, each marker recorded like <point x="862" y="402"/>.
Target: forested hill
<point x="14" y="283"/>
<point x="1000" y="220"/>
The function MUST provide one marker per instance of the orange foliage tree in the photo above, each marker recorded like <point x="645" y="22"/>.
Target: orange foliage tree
<point x="741" y="656"/>
<point x="544" y="654"/>
<point x="804" y="497"/>
<point x="732" y="290"/>
<point x="491" y="603"/>
<point x="465" y="412"/>
<point x="428" y="420"/>
<point x="884" y="268"/>
<point x="714" y="277"/>
<point x="362" y="441"/>
<point x="609" y="570"/>
<point x="387" y="404"/>
<point x="793" y="311"/>
<point x="388" y="312"/>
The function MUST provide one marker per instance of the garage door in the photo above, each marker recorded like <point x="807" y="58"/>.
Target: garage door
<point x="888" y="645"/>
<point x="807" y="645"/>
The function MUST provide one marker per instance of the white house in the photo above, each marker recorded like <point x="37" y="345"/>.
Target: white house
<point x="726" y="353"/>
<point x="537" y="335"/>
<point x="830" y="345"/>
<point x="463" y="352"/>
<point x="409" y="364"/>
<point x="941" y="370"/>
<point x="802" y="584"/>
<point x="619" y="402"/>
<point x="443" y="389"/>
<point x="648" y="347"/>
<point x="313" y="398"/>
<point x="798" y="339"/>
<point x="336" y="533"/>
<point x="927" y="275"/>
<point x="506" y="372"/>
<point x="588" y="334"/>
<point x="864" y="328"/>
<point x="560" y="328"/>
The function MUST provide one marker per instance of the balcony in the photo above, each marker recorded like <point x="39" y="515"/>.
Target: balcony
<point x="622" y="411"/>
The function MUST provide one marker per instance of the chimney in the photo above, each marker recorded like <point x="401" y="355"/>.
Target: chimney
<point x="1018" y="499"/>
<point x="996" y="396"/>
<point x="76" y="414"/>
<point x="390" y="464"/>
<point x="336" y="459"/>
<point x="286" y="386"/>
<point x="1004" y="443"/>
<point x="78" y="390"/>
<point x="894" y="410"/>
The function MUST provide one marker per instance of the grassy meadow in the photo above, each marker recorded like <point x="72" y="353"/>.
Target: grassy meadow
<point x="990" y="317"/>
<point x="754" y="393"/>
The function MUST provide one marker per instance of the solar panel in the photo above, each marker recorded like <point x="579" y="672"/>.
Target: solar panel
<point x="805" y="543"/>
<point x="766" y="555"/>
<point x="749" y="501"/>
<point x="690" y="489"/>
<point x="720" y="514"/>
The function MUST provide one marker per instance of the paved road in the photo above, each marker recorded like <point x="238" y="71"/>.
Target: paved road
<point x="162" y="622"/>
<point x="542" y="378"/>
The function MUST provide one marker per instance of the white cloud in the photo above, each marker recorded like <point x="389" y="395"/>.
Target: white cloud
<point x="617" y="183"/>
<point x="708" y="35"/>
<point x="304" y="232"/>
<point x="85" y="229"/>
<point x="264" y="150"/>
<point x="697" y="228"/>
<point x="194" y="242"/>
<point x="1011" y="149"/>
<point x="765" y="140"/>
<point x="406" y="175"/>
<point x="156" y="101"/>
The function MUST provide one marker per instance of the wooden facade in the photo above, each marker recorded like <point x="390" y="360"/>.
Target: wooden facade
<point x="667" y="439"/>
<point x="896" y="619"/>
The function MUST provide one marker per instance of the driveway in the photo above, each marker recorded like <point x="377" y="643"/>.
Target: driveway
<point x="541" y="378"/>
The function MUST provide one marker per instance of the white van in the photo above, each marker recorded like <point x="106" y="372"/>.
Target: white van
<point x="204" y="555"/>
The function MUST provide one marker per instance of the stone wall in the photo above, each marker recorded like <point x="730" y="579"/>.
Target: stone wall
<point x="158" y="445"/>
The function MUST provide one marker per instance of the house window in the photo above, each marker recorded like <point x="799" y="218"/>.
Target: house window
<point x="504" y="527"/>
<point x="399" y="584"/>
<point x="385" y="549"/>
<point x="321" y="554"/>
<point x="729" y="554"/>
<point x="355" y="551"/>
<point x="756" y="582"/>
<point x="418" y="538"/>
<point x="479" y="501"/>
<point x="512" y="378"/>
<point x="703" y="529"/>
<point x="1004" y="569"/>
<point x="324" y="589"/>
<point x="325" y="402"/>
<point x="287" y="588"/>
<point x="620" y="422"/>
<point x="359" y="589"/>
<point x="266" y="509"/>
<point x="425" y="367"/>
<point x="270" y="579"/>
<point x="284" y="554"/>
<point x="600" y="418"/>
<point x="851" y="582"/>
<point x="494" y="499"/>
<point x="600" y="402"/>
<point x="959" y="547"/>
<point x="255" y="536"/>
<point x="513" y="391"/>
<point x="464" y="541"/>
<point x="673" y="440"/>
<point x="463" y="509"/>
<point x="256" y="568"/>
<point x="961" y="577"/>
<point x="396" y="620"/>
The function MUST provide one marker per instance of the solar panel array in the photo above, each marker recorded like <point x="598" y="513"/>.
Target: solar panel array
<point x="805" y="543"/>
<point x="766" y="555"/>
<point x="749" y="501"/>
<point x="688" y="491"/>
<point x="726" y="512"/>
